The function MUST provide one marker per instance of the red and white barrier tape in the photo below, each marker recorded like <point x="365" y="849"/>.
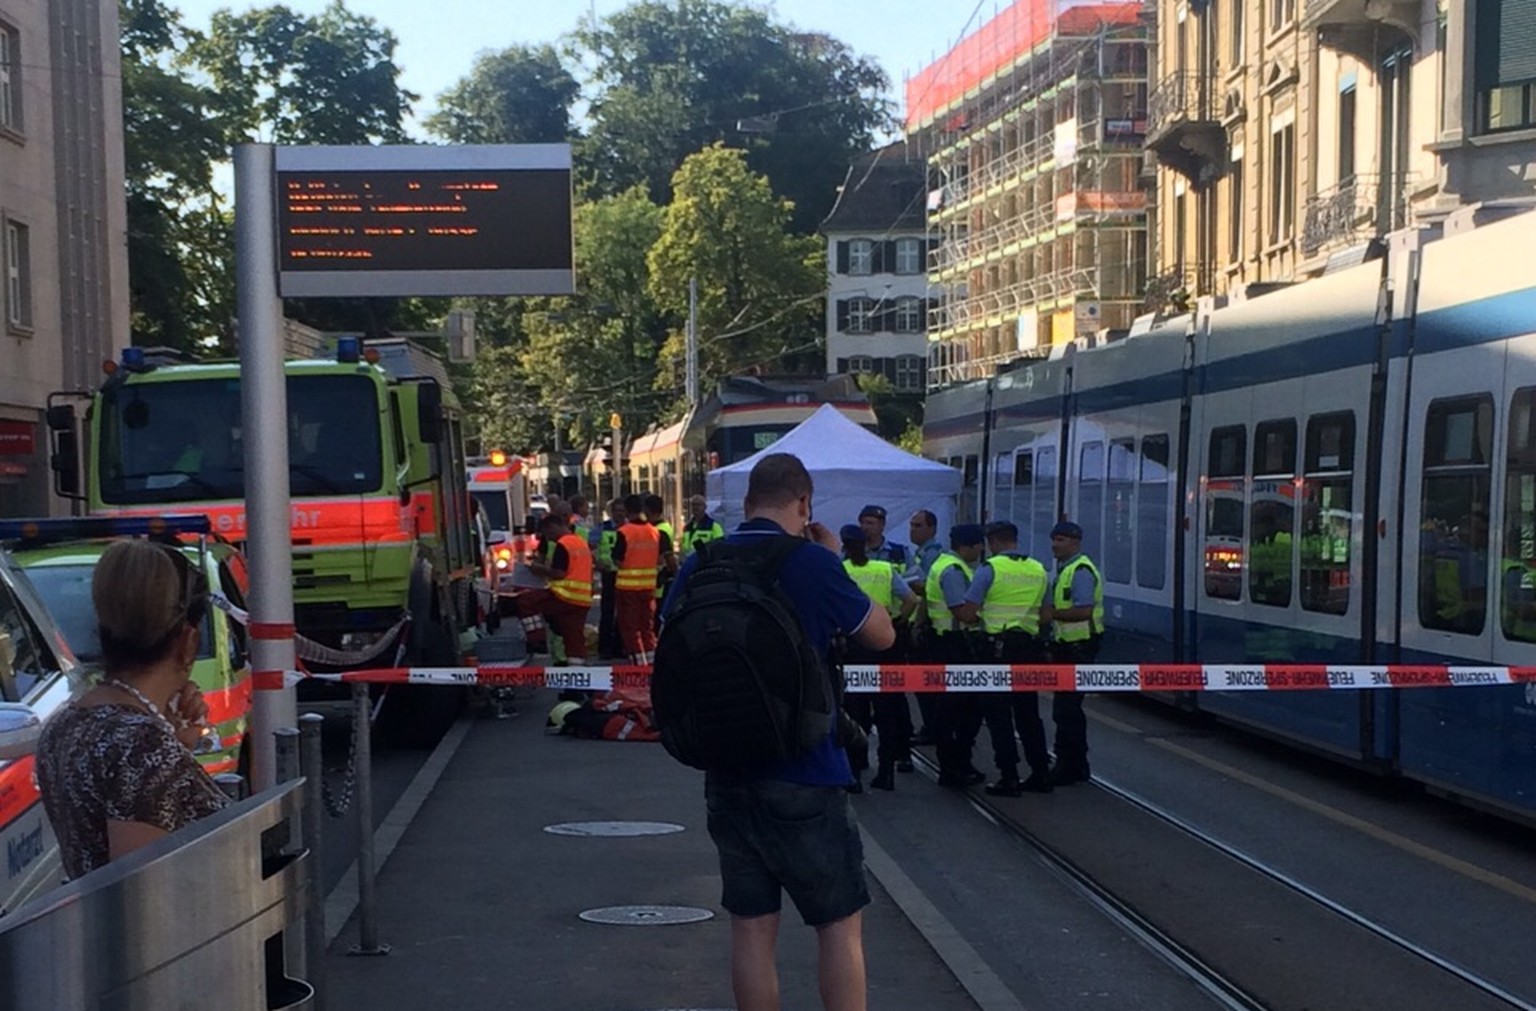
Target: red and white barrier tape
<point x="867" y="678"/>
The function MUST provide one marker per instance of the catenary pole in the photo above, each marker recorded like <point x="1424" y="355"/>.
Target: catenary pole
<point x="264" y="409"/>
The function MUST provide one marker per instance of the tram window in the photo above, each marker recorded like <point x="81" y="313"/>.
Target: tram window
<point x="1453" y="522"/>
<point x="1225" y="520"/>
<point x="1272" y="514"/>
<point x="1152" y="513"/>
<point x="1023" y="481"/>
<point x="1002" y="487"/>
<point x="1090" y="496"/>
<point x="1327" y="513"/>
<point x="1120" y="512"/>
<point x="970" y="501"/>
<point x="1517" y="569"/>
<point x="1045" y="497"/>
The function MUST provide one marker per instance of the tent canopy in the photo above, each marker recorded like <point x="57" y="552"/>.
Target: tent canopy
<point x="852" y="468"/>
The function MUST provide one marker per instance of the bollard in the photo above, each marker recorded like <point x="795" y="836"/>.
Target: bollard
<point x="231" y="784"/>
<point x="311" y="762"/>
<point x="286" y="769"/>
<point x="362" y="801"/>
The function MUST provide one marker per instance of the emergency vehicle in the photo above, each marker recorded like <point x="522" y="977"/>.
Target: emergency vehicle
<point x="499" y="485"/>
<point x="383" y="555"/>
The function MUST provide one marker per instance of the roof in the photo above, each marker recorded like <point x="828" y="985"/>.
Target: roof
<point x="883" y="192"/>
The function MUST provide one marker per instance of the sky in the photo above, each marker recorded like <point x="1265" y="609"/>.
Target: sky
<point x="439" y="38"/>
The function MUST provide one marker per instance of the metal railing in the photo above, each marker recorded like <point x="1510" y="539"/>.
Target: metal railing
<point x="1355" y="210"/>
<point x="1180" y="97"/>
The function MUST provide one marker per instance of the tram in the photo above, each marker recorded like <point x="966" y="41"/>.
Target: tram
<point x="1343" y="470"/>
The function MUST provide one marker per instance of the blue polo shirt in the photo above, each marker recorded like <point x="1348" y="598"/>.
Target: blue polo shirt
<point x="828" y="603"/>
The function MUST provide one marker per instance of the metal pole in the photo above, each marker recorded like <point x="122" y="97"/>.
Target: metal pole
<point x="264" y="407"/>
<point x="285" y="762"/>
<point x="232" y="784"/>
<point x="311" y="762"/>
<point x="362" y="801"/>
<point x="691" y="384"/>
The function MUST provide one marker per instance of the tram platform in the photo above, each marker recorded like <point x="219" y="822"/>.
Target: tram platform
<point x="482" y="906"/>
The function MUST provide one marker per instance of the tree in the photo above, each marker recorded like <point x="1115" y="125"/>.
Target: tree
<point x="759" y="287"/>
<point x="669" y="78"/>
<point x="520" y="95"/>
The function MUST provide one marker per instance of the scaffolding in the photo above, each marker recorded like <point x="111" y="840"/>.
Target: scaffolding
<point x="1037" y="204"/>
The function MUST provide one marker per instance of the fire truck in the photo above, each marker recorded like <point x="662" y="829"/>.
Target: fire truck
<point x="383" y="561"/>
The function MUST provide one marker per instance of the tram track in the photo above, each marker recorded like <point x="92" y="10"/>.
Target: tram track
<point x="1141" y="920"/>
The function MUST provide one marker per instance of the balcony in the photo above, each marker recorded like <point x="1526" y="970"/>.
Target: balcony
<point x="1184" y="126"/>
<point x="1354" y="211"/>
<point x="1366" y="29"/>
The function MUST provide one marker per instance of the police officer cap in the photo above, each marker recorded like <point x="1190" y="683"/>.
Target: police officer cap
<point x="966" y="535"/>
<point x="1065" y="529"/>
<point x="878" y="512"/>
<point x="851" y="532"/>
<point x="1003" y="529"/>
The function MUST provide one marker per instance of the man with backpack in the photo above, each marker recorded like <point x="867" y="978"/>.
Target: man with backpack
<point x="747" y="614"/>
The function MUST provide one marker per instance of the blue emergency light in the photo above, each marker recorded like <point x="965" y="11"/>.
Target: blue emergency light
<point x="133" y="359"/>
<point x="348" y="349"/>
<point x="75" y="528"/>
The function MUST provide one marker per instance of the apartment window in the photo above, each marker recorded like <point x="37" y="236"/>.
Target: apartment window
<point x="10" y="78"/>
<point x="909" y="314"/>
<point x="1180" y="219"/>
<point x="18" y="276"/>
<point x="861" y="315"/>
<point x="861" y="257"/>
<point x="858" y="364"/>
<point x="1505" y="64"/>
<point x="1282" y="183"/>
<point x="1237" y="198"/>
<point x="909" y="256"/>
<point x="909" y="373"/>
<point x="1347" y="136"/>
<point x="1235" y="41"/>
<point x="1281" y="13"/>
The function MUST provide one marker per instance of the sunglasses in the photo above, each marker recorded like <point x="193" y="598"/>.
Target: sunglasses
<point x="192" y="604"/>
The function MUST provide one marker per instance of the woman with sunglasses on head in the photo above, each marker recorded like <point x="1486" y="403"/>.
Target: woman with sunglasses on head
<point x="115" y="767"/>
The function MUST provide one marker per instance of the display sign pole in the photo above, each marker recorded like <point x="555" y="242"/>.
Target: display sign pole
<point x="264" y="409"/>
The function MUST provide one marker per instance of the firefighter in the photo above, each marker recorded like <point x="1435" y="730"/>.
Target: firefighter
<point x="701" y="527"/>
<point x="1076" y="614"/>
<point x="569" y="572"/>
<point x="602" y="542"/>
<point x="882" y="583"/>
<point x="1006" y="595"/>
<point x="637" y="554"/>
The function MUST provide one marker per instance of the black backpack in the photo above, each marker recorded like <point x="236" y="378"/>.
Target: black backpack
<point x="735" y="684"/>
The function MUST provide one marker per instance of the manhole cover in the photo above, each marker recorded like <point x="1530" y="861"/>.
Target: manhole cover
<point x="646" y="916"/>
<point x="613" y="828"/>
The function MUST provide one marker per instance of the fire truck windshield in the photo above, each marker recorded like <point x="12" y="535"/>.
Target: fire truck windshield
<point x="495" y="505"/>
<point x="182" y="441"/>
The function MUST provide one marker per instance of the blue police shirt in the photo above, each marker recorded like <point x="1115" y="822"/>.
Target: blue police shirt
<point x="828" y="603"/>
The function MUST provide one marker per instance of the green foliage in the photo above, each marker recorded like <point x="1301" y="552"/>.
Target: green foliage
<point x="670" y="78"/>
<point x="911" y="438"/>
<point x="519" y="95"/>
<point x="896" y="414"/>
<point x="759" y="286"/>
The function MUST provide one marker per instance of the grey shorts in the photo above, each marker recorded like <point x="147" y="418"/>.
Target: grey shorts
<point x="776" y="837"/>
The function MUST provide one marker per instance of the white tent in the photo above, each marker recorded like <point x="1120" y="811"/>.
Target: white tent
<point x="852" y="468"/>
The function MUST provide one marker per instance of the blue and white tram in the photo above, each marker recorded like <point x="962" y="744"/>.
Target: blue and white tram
<point x="1341" y="471"/>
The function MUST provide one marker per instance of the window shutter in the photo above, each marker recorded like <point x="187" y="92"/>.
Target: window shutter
<point x="885" y="320"/>
<point x="890" y="255"/>
<point x="842" y="315"/>
<point x="842" y="257"/>
<point x="842" y="366"/>
<point x="1506" y="49"/>
<point x="888" y="369"/>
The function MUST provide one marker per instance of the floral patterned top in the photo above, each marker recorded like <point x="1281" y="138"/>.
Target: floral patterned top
<point x="116" y="763"/>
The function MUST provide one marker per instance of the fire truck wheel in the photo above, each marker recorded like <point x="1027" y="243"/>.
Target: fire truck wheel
<point x="417" y="716"/>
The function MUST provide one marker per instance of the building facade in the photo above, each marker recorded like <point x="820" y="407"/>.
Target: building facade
<point x="63" y="229"/>
<point x="878" y="294"/>
<point x="1292" y="135"/>
<point x="1033" y="129"/>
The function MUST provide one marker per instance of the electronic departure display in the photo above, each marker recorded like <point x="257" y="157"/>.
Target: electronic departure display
<point x="420" y="220"/>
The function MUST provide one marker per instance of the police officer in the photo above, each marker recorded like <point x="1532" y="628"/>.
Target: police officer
<point x="602" y="541"/>
<point x="872" y="520"/>
<point x="948" y="580"/>
<point x="882" y="583"/>
<point x="926" y="548"/>
<point x="1076" y="613"/>
<point x="701" y="528"/>
<point x="1007" y="595"/>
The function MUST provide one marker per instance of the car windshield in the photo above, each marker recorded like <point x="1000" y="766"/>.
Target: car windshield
<point x="182" y="441"/>
<point x="495" y="505"/>
<point x="66" y="590"/>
